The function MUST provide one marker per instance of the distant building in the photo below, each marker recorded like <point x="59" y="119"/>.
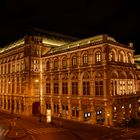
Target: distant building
<point x="94" y="80"/>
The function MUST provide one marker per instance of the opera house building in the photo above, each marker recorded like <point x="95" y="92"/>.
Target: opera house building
<point x="94" y="80"/>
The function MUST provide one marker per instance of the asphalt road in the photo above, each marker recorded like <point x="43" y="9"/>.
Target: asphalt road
<point x="29" y="128"/>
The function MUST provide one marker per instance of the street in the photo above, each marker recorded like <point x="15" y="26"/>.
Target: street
<point x="30" y="128"/>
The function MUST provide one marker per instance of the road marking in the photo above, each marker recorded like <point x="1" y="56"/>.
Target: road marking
<point x="1" y="132"/>
<point x="44" y="130"/>
<point x="5" y="133"/>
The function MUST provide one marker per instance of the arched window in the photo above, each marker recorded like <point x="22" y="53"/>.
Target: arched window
<point x="74" y="60"/>
<point x="48" y="86"/>
<point x="48" y="65"/>
<point x="64" y="63"/>
<point x="56" y="85"/>
<point x="121" y="57"/>
<point x="113" y="83"/>
<point x="18" y="85"/>
<point x="64" y="84"/>
<point x="86" y="84"/>
<point x="55" y="64"/>
<point x="85" y="59"/>
<point x="74" y="84"/>
<point x="129" y="58"/>
<point x="98" y="85"/>
<point x="98" y="57"/>
<point x="112" y="56"/>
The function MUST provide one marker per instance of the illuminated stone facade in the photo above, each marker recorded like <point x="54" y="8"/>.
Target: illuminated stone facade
<point x="93" y="80"/>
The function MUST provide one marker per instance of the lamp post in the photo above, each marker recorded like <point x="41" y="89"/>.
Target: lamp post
<point x="108" y="119"/>
<point x="39" y="107"/>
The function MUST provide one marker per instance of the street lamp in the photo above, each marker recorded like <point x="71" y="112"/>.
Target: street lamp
<point x="108" y="118"/>
<point x="39" y="108"/>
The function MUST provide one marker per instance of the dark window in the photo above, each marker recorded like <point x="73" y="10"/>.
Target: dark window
<point x="65" y="88"/>
<point x="99" y="88"/>
<point x="64" y="63"/>
<point x="55" y="64"/>
<point x="75" y="111"/>
<point x="86" y="88"/>
<point x="48" y="106"/>
<point x="121" y="57"/>
<point x="8" y="68"/>
<point x="48" y="65"/>
<point x="56" y="88"/>
<point x="74" y="88"/>
<point x="48" y="88"/>
<point x="56" y="108"/>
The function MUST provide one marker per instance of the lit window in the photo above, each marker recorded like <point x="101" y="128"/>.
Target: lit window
<point x="130" y="86"/>
<point x="98" y="56"/>
<point x="35" y="65"/>
<point x="111" y="56"/>
<point x="85" y="59"/>
<point x="122" y="87"/>
<point x="74" y="61"/>
<point x="114" y="87"/>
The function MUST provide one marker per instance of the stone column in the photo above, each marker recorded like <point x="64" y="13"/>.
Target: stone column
<point x="93" y="113"/>
<point x="60" y="106"/>
<point x="92" y="89"/>
<point x="80" y="86"/>
<point x="52" y="106"/>
<point x="90" y="57"/>
<point x="80" y="111"/>
<point x="105" y="85"/>
<point x="51" y="85"/>
<point x="60" y="84"/>
<point x="69" y="84"/>
<point x="69" y="109"/>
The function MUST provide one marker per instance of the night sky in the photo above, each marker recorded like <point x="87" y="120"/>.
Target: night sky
<point x="79" y="18"/>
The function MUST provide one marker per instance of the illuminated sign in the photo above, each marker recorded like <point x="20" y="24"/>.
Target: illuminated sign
<point x="48" y="115"/>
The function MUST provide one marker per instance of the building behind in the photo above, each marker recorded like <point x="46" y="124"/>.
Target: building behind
<point x="94" y="80"/>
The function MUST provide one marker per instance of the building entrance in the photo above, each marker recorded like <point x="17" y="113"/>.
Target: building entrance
<point x="36" y="108"/>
